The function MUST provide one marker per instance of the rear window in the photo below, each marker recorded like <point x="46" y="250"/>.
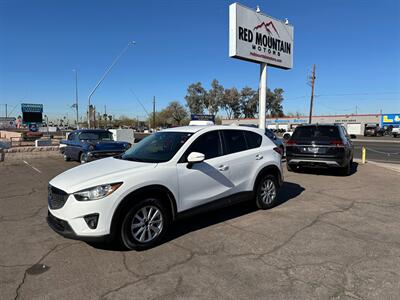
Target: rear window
<point x="316" y="133"/>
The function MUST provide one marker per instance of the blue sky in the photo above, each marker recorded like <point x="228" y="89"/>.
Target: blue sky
<point x="354" y="44"/>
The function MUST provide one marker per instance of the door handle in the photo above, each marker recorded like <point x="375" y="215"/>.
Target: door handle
<point x="223" y="168"/>
<point x="259" y="156"/>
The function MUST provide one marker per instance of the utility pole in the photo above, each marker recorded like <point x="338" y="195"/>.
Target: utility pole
<point x="76" y="98"/>
<point x="154" y="112"/>
<point x="312" y="94"/>
<point x="6" y="111"/>
<point x="356" y="109"/>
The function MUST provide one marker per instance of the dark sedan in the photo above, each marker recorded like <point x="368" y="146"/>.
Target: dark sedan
<point x="320" y="146"/>
<point x="89" y="144"/>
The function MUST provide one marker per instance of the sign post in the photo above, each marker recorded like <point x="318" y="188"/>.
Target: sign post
<point x="258" y="38"/>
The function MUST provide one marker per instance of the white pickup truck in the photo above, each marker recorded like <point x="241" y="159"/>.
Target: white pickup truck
<point x="396" y="131"/>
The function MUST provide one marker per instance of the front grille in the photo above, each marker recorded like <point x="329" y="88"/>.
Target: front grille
<point x="56" y="197"/>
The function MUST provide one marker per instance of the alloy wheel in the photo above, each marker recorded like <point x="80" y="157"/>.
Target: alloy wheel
<point x="268" y="191"/>
<point x="147" y="224"/>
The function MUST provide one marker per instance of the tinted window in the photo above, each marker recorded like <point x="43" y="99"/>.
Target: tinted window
<point x="209" y="144"/>
<point x="234" y="141"/>
<point x="96" y="135"/>
<point x="269" y="134"/>
<point x="71" y="136"/>
<point x="158" y="147"/>
<point x="253" y="139"/>
<point x="316" y="133"/>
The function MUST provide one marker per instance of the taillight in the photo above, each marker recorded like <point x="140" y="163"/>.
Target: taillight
<point x="279" y="150"/>
<point x="291" y="142"/>
<point x="337" y="143"/>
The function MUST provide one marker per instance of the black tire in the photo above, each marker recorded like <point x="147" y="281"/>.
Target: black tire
<point x="66" y="157"/>
<point x="127" y="236"/>
<point x="83" y="158"/>
<point x="346" y="171"/>
<point x="289" y="168"/>
<point x="266" y="201"/>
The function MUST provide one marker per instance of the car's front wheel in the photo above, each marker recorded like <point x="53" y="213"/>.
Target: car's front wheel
<point x="267" y="192"/>
<point x="144" y="225"/>
<point x="66" y="157"/>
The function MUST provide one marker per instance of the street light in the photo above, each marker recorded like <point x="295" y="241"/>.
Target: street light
<point x="131" y="43"/>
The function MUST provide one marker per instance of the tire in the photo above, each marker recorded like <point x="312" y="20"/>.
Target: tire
<point x="83" y="158"/>
<point x="395" y="135"/>
<point x="143" y="236"/>
<point x="66" y="157"/>
<point x="267" y="192"/>
<point x="346" y="171"/>
<point x="289" y="168"/>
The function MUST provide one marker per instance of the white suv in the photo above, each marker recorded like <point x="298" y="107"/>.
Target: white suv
<point x="136" y="196"/>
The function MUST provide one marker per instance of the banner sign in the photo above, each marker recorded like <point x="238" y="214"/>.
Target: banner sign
<point x="259" y="38"/>
<point x="391" y="119"/>
<point x="198" y="117"/>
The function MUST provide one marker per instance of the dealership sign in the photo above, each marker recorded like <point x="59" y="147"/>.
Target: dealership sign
<point x="259" y="38"/>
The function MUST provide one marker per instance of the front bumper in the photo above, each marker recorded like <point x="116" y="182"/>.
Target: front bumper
<point x="64" y="229"/>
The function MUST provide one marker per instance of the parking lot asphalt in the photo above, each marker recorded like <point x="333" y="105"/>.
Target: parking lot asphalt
<point x="331" y="237"/>
<point x="386" y="151"/>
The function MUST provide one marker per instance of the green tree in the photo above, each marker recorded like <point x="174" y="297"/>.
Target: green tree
<point x="196" y="98"/>
<point x="213" y="99"/>
<point x="174" y="113"/>
<point x="248" y="102"/>
<point x="231" y="103"/>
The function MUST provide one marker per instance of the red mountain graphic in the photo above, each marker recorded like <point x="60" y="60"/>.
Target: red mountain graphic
<point x="266" y="25"/>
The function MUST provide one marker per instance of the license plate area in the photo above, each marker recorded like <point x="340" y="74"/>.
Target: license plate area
<point x="313" y="150"/>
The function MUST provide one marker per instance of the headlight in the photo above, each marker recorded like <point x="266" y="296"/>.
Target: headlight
<point x="97" y="192"/>
<point x="127" y="146"/>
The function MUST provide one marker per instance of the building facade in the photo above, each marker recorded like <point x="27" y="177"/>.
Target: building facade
<point x="355" y="124"/>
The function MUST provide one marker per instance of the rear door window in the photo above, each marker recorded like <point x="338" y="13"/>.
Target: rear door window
<point x="253" y="139"/>
<point x="234" y="141"/>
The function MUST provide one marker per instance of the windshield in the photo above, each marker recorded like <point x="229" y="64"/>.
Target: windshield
<point x="158" y="147"/>
<point x="96" y="135"/>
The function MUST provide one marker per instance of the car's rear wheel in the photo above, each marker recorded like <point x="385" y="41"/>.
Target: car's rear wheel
<point x="289" y="168"/>
<point x="267" y="192"/>
<point x="144" y="225"/>
<point x="66" y="157"/>
<point x="83" y="158"/>
<point x="347" y="169"/>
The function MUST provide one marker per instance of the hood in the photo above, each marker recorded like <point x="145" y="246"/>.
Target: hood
<point x="102" y="171"/>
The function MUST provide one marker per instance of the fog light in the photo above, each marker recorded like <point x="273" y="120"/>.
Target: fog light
<point x="91" y="220"/>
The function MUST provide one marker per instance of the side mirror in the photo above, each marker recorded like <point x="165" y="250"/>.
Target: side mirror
<point x="195" y="157"/>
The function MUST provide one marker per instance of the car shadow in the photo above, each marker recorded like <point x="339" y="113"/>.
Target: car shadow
<point x="327" y="172"/>
<point x="180" y="227"/>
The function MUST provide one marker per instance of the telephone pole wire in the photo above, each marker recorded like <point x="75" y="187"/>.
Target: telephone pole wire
<point x="312" y="94"/>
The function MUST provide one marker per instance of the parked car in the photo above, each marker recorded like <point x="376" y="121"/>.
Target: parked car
<point x="85" y="145"/>
<point x="321" y="146"/>
<point x="287" y="134"/>
<point x="373" y="130"/>
<point x="175" y="172"/>
<point x="396" y="131"/>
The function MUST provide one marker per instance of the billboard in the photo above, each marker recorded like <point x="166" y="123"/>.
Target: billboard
<point x="390" y="119"/>
<point x="32" y="113"/>
<point x="259" y="38"/>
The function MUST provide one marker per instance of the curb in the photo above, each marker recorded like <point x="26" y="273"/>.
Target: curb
<point x="375" y="141"/>
<point x="392" y="167"/>
<point x="31" y="149"/>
